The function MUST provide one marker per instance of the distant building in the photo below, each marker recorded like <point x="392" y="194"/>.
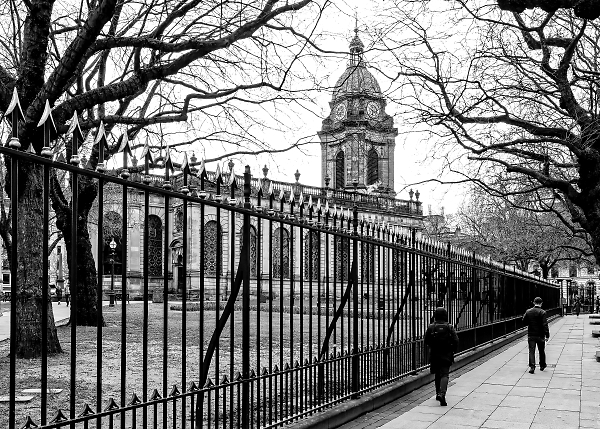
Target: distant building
<point x="577" y="279"/>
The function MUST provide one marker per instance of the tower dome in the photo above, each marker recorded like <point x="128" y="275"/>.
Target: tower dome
<point x="358" y="136"/>
<point x="356" y="79"/>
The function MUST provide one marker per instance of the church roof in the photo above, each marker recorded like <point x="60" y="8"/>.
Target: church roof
<point x="356" y="79"/>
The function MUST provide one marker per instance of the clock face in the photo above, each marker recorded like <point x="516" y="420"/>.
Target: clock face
<point x="373" y="109"/>
<point x="340" y="111"/>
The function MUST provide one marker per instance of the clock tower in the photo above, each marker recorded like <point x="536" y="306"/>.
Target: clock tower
<point x="358" y="136"/>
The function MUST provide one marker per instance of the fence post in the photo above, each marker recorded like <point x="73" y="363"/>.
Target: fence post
<point x="245" y="265"/>
<point x="413" y="300"/>
<point x="474" y="287"/>
<point x="355" y="350"/>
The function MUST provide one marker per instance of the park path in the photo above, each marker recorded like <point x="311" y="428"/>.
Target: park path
<point x="61" y="316"/>
<point x="500" y="392"/>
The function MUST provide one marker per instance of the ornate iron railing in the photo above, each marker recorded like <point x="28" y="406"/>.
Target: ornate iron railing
<point x="279" y="310"/>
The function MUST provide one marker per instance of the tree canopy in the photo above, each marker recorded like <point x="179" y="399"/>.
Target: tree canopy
<point x="164" y="73"/>
<point x="508" y="97"/>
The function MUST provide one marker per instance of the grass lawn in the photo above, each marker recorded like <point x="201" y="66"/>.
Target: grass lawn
<point x="274" y="341"/>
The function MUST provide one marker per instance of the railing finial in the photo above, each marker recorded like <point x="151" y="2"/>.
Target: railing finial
<point x="16" y="114"/>
<point x="49" y="129"/>
<point x="126" y="149"/>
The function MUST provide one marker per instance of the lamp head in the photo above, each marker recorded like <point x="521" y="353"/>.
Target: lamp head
<point x="113" y="244"/>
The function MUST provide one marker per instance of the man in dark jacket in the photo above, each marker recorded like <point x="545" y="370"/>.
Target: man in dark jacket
<point x="537" y="333"/>
<point x="443" y="343"/>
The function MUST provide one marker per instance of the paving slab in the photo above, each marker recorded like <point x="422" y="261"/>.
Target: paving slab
<point x="500" y="393"/>
<point x="18" y="398"/>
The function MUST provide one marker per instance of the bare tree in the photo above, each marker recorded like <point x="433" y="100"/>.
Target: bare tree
<point x="509" y="97"/>
<point x="513" y="230"/>
<point x="216" y="68"/>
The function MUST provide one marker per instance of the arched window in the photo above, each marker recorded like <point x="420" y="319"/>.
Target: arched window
<point x="342" y="252"/>
<point x="112" y="229"/>
<point x="155" y="246"/>
<point x="253" y="259"/>
<point x="372" y="166"/>
<point x="213" y="236"/>
<point x="312" y="246"/>
<point x="281" y="253"/>
<point x="340" y="174"/>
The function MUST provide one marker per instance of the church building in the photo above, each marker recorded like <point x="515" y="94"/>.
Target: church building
<point x="357" y="151"/>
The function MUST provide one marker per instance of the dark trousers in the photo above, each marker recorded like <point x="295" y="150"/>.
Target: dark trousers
<point x="541" y="345"/>
<point x="441" y="378"/>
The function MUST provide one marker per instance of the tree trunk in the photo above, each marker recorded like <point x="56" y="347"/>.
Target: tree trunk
<point x="86" y="291"/>
<point x="29" y="291"/>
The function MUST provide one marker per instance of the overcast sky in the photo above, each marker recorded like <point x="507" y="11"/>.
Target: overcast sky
<point x="412" y="164"/>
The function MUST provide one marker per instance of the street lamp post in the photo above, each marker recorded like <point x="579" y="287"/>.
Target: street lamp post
<point x="113" y="246"/>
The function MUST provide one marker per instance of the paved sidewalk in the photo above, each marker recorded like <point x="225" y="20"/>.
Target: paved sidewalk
<point x="500" y="392"/>
<point x="62" y="313"/>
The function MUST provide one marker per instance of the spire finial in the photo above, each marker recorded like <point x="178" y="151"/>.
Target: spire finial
<point x="355" y="22"/>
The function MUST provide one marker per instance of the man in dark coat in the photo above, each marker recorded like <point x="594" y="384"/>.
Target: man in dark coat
<point x="537" y="333"/>
<point x="443" y="343"/>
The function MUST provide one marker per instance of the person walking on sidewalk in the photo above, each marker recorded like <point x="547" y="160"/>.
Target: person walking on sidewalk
<point x="443" y="343"/>
<point x="537" y="333"/>
<point x="577" y="306"/>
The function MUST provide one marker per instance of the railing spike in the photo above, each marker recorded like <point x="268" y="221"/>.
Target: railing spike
<point x="209" y="383"/>
<point x="238" y="376"/>
<point x="224" y="380"/>
<point x="174" y="391"/>
<point x="155" y="395"/>
<point x="30" y="149"/>
<point x="264" y="371"/>
<point x="112" y="405"/>
<point x="125" y="147"/>
<point x="100" y="140"/>
<point x="76" y="138"/>
<point x="252" y="374"/>
<point x="193" y="386"/>
<point x="201" y="169"/>
<point x="281" y="195"/>
<point x="135" y="400"/>
<point x="168" y="170"/>
<point x="59" y="417"/>
<point x="185" y="165"/>
<point x="16" y="114"/>
<point x="49" y="129"/>
<point x="232" y="183"/>
<point x="286" y="367"/>
<point x="29" y="424"/>
<point x="87" y="411"/>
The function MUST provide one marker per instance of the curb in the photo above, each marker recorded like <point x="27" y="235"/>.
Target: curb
<point x="352" y="409"/>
